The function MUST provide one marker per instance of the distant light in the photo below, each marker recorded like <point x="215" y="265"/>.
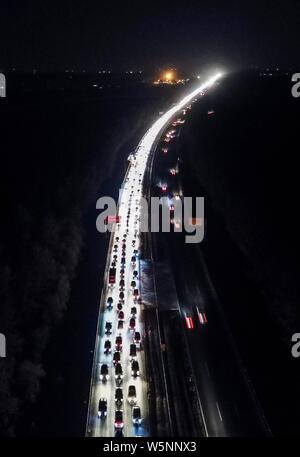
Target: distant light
<point x="198" y="77"/>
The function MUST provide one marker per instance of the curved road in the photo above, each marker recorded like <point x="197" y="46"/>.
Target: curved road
<point x="129" y="200"/>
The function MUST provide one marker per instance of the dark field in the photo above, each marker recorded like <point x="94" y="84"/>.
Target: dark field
<point x="243" y="158"/>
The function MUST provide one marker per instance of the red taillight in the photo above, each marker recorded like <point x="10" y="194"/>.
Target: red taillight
<point x="189" y="322"/>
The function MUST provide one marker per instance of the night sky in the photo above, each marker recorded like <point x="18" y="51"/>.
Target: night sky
<point x="94" y="35"/>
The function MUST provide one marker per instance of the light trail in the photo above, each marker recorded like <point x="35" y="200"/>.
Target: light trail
<point x="129" y="212"/>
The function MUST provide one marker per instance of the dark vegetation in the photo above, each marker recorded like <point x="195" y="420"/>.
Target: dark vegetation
<point x="57" y="157"/>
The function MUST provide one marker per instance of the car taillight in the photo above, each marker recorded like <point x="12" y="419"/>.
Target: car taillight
<point x="189" y="322"/>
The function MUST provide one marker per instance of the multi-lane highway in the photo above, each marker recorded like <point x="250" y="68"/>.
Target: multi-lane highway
<point x="114" y="320"/>
<point x="226" y="397"/>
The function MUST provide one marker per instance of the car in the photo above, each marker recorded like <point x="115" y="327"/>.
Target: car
<point x="120" y="324"/>
<point x="112" y="276"/>
<point x="133" y="311"/>
<point x="108" y="327"/>
<point x="201" y="316"/>
<point x="109" y="302"/>
<point x="135" y="370"/>
<point x="104" y="373"/>
<point x="133" y="284"/>
<point x="118" y="372"/>
<point x="119" y="307"/>
<point x="119" y="424"/>
<point x="119" y="397"/>
<point x="131" y="395"/>
<point x="132" y="351"/>
<point x="164" y="188"/>
<point x="136" y="415"/>
<point x="189" y="321"/>
<point x="123" y="260"/>
<point x="122" y="272"/>
<point x="135" y="274"/>
<point x="132" y="323"/>
<point x="136" y="294"/>
<point x="107" y="346"/>
<point x="119" y="343"/>
<point x="116" y="357"/>
<point x="115" y="257"/>
<point x="121" y="296"/>
<point x="133" y="260"/>
<point x="122" y="283"/>
<point x="137" y="338"/>
<point x="102" y="408"/>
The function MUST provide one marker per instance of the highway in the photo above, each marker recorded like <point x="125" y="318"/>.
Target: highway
<point x="125" y="239"/>
<point x="228" y="402"/>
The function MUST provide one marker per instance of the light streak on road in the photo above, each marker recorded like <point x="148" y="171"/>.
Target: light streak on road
<point x="129" y="212"/>
<point x="219" y="412"/>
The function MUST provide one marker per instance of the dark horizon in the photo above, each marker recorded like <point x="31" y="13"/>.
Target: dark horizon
<point x="189" y="36"/>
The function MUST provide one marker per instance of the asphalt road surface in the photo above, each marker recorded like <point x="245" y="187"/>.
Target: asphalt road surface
<point x="128" y="228"/>
<point x="228" y="401"/>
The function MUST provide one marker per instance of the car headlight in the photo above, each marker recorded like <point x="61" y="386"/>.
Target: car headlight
<point x="101" y="377"/>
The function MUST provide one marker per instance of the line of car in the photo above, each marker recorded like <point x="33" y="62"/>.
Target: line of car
<point x="119" y="261"/>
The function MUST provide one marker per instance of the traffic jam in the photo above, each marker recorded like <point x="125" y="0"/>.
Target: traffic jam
<point x="118" y="404"/>
<point x="123" y="388"/>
